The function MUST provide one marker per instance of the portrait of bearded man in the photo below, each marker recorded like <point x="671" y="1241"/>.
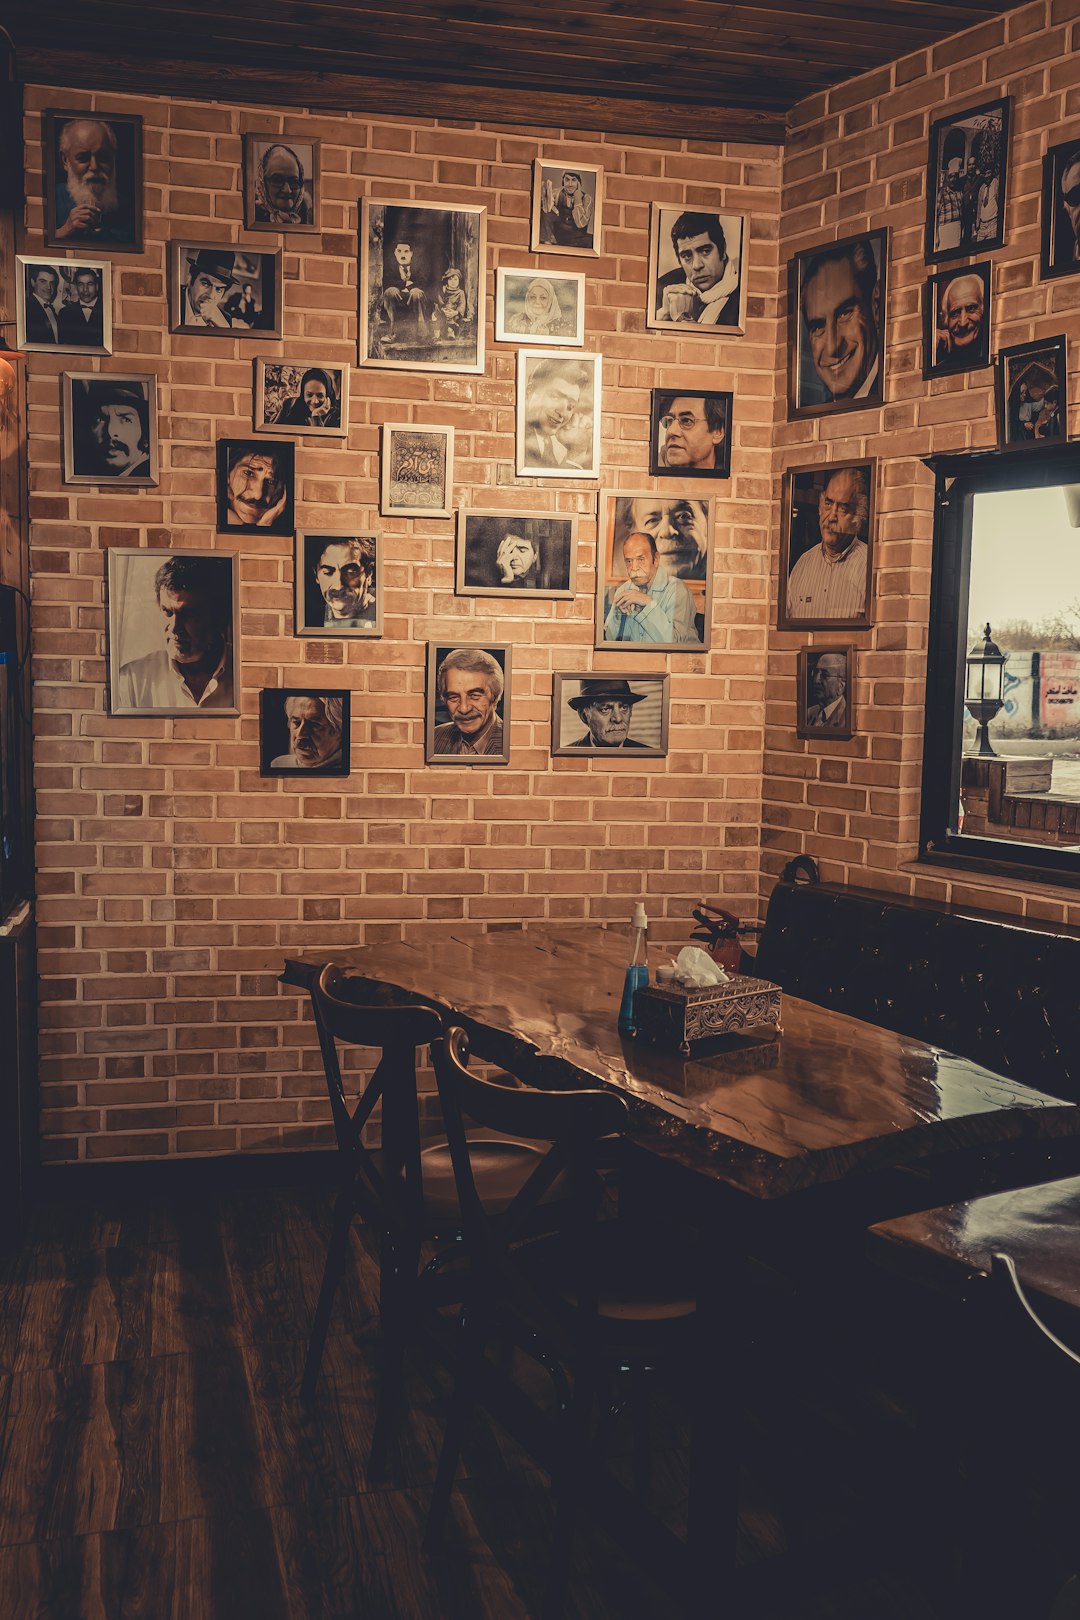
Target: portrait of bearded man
<point x="94" y="180"/>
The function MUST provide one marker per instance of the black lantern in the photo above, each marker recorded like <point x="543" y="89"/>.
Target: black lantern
<point x="984" y="689"/>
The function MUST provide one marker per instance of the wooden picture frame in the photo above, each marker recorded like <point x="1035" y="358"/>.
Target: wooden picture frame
<point x="93" y="181"/>
<point x="967" y="174"/>
<point x="304" y="731"/>
<point x="534" y="307"/>
<point x="416" y="470"/>
<point x="697" y="271"/>
<point x="837" y="298"/>
<point x="958" y="320"/>
<point x="478" y="685"/>
<point x="528" y="555"/>
<point x="151" y="652"/>
<point x="803" y="597"/>
<point x="338" y="584"/>
<point x="1028" y="414"/>
<point x="412" y="315"/>
<point x="282" y="182"/>
<point x="235" y="292"/>
<point x="677" y="574"/>
<point x="567" y="219"/>
<point x="58" y="322"/>
<point x="110" y="428"/>
<point x="825" y="694"/>
<point x="627" y="717"/>
<point x="558" y="413"/>
<point x="692" y="426"/>
<point x="287" y="396"/>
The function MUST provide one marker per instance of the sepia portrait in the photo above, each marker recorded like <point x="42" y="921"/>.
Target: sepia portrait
<point x="1061" y="210"/>
<point x="826" y="691"/>
<point x="302" y="397"/>
<point x="956" y="320"/>
<point x="654" y="579"/>
<point x="93" y="180"/>
<point x="1032" y="394"/>
<point x="467" y="714"/>
<point x="417" y="470"/>
<point x="567" y="205"/>
<point x="255" y="485"/>
<point x="558" y="414"/>
<point x="338" y="585"/>
<point x="826" y="546"/>
<point x="836" y="325"/>
<point x="174" y="620"/>
<point x="281" y="183"/>
<point x="600" y="716"/>
<point x="539" y="309"/>
<point x="63" y="306"/>
<point x="502" y="553"/>
<point x="966" y="175"/>
<point x="110" y="428"/>
<point x="422" y="286"/>
<point x="303" y="731"/>
<point x="224" y="290"/>
<point x="697" y="271"/>
<point x="691" y="434"/>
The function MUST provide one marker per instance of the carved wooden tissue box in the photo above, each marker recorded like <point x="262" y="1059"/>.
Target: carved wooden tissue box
<point x="681" y="1020"/>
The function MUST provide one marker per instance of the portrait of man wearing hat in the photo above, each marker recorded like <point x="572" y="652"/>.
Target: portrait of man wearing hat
<point x="606" y="705"/>
<point x="209" y="277"/>
<point x="111" y="429"/>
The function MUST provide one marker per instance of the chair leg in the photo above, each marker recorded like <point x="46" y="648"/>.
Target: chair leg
<point x="470" y="1348"/>
<point x="567" y="1482"/>
<point x="333" y="1272"/>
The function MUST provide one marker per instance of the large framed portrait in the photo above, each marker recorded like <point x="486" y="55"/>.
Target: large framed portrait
<point x="255" y="486"/>
<point x="691" y="433"/>
<point x="827" y="546"/>
<point x="596" y="716"/>
<point x="63" y="306"/>
<point x="654" y="579"/>
<point x="504" y="553"/>
<point x="1061" y="210"/>
<point x="836" y="325"/>
<point x="281" y="183"/>
<point x="110" y="428"/>
<point x="467" y="713"/>
<point x="93" y="180"/>
<point x="422" y="286"/>
<point x="338" y="584"/>
<point x="174" y="632"/>
<point x="1032" y="394"/>
<point x="558" y="414"/>
<point x="304" y="731"/>
<point x="539" y="309"/>
<point x="567" y="208"/>
<point x="826" y="693"/>
<point x="967" y="171"/>
<point x="417" y="464"/>
<point x="957" y="318"/>
<point x="298" y="396"/>
<point x="697" y="271"/>
<point x="218" y="289"/>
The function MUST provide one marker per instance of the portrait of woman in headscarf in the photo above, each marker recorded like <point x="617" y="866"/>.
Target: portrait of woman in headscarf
<point x="540" y="314"/>
<point x="316" y="405"/>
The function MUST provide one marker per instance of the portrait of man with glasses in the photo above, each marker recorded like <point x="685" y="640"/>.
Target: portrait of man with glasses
<point x="691" y="434"/>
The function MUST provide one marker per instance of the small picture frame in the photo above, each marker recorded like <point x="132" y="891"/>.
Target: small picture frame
<point x="567" y="208"/>
<point x="422" y="286"/>
<point x="110" y="428"/>
<point x="836" y="326"/>
<point x="827" y="546"/>
<point x="967" y="171"/>
<point x="534" y="308"/>
<point x="338" y="584"/>
<point x="417" y="464"/>
<point x="256" y="484"/>
<point x="304" y="731"/>
<point x="93" y="181"/>
<point x="826" y="693"/>
<point x="220" y="290"/>
<point x="63" y="306"/>
<point x="467" y="712"/>
<point x="654" y="579"/>
<point x="174" y="632"/>
<point x="691" y="433"/>
<point x="299" y="397"/>
<point x="1032" y="395"/>
<point x="281" y="183"/>
<point x="527" y="554"/>
<point x="558" y="414"/>
<point x="697" y="271"/>
<point x="1060" y="213"/>
<point x="957" y="320"/>
<point x="595" y="715"/>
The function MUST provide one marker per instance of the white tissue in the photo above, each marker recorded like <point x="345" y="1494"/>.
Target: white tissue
<point x="695" y="968"/>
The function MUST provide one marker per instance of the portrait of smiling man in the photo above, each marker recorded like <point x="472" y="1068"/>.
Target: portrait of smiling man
<point x="960" y="319"/>
<point x="469" y="684"/>
<point x="840" y="338"/>
<point x="336" y="585"/>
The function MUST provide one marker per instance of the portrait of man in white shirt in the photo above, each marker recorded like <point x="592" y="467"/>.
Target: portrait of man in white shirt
<point x="171" y="632"/>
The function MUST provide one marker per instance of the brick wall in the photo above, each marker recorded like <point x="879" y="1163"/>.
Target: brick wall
<point x="173" y="878"/>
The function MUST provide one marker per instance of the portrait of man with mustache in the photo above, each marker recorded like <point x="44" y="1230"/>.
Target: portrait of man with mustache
<point x="94" y="180"/>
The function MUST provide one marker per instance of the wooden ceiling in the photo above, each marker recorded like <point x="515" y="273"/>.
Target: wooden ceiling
<point x="699" y="68"/>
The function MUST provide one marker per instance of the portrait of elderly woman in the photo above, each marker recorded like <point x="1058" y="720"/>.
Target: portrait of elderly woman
<point x="93" y="180"/>
<point x="110" y="429"/>
<point x="302" y="731"/>
<point x="539" y="309"/>
<point x="501" y="554"/>
<point x="255" y="484"/>
<point x="281" y="183"/>
<point x="468" y="705"/>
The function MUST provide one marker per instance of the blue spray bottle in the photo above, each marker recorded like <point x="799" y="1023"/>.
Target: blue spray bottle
<point x="637" y="969"/>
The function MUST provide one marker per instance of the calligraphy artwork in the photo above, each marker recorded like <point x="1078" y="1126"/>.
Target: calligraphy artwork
<point x="417" y="470"/>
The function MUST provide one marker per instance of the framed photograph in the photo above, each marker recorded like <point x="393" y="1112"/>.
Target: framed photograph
<point x="217" y="288"/>
<point x="1032" y="394"/>
<point x="467" y="714"/>
<point x="654" y="579"/>
<point x="417" y="470"/>
<point x="502" y="553"/>
<point x="1061" y="211"/>
<point x="303" y="731"/>
<point x="338" y="584"/>
<point x="539" y="309"/>
<point x="93" y="180"/>
<point x="110" y="428"/>
<point x="422" y="286"/>
<point x="255" y="487"/>
<point x="281" y="183"/>
<point x="826" y="546"/>
<point x="697" y="271"/>
<point x="302" y="397"/>
<point x="957" y="320"/>
<point x="966" y="175"/>
<point x="691" y="433"/>
<point x="567" y="208"/>
<point x="600" y="715"/>
<point x="836" y="326"/>
<point x="826" y="691"/>
<point x="63" y="306"/>
<point x="558" y="414"/>
<point x="174" y="632"/>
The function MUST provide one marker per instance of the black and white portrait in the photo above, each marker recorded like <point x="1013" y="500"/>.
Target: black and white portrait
<point x="1032" y="394"/>
<point x="697" y="270"/>
<point x="173" y="632"/>
<point x="218" y="288"/>
<point x="826" y="693"/>
<point x="110" y="428"/>
<point x="64" y="306"/>
<point x="966" y="175"/>
<point x="609" y="716"/>
<point x="467" y="719"/>
<point x="531" y="308"/>
<point x="836" y="332"/>
<point x="1061" y="210"/>
<point x="502" y="553"/>
<point x="654" y="582"/>
<point x="956" y="320"/>
<point x="338" y="585"/>
<point x="255" y="484"/>
<point x="417" y="470"/>
<point x="558" y="414"/>
<point x="691" y="433"/>
<point x="826" y="546"/>
<point x="422" y="286"/>
<point x="281" y="183"/>
<point x="567" y="208"/>
<point x="309" y="397"/>
<point x="303" y="731"/>
<point x="93" y="180"/>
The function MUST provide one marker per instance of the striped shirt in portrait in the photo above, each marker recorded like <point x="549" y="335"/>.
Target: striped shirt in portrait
<point x="819" y="588"/>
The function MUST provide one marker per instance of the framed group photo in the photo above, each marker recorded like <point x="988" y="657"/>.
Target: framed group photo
<point x="63" y="306"/>
<point x="93" y="180"/>
<point x="558" y="414"/>
<point x="531" y="308"/>
<point x="826" y="546"/>
<point x="826" y="688"/>
<point x="110" y="428"/>
<point x="597" y="716"/>
<point x="957" y="320"/>
<point x="174" y="632"/>
<point x="1032" y="394"/>
<point x="281" y="183"/>
<point x="417" y="465"/>
<point x="691" y="433"/>
<point x="304" y="731"/>
<point x="967" y="171"/>
<point x="223" y="290"/>
<point x="654" y="577"/>
<point x="836" y="325"/>
<point x="295" y="396"/>
<point x="502" y="553"/>
<point x="256" y="482"/>
<point x="1061" y="210"/>
<point x="467" y="708"/>
<point x="567" y="208"/>
<point x="338" y="584"/>
<point x="697" y="271"/>
<point x="422" y="286"/>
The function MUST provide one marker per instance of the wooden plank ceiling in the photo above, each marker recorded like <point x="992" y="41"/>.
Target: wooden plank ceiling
<point x="699" y="68"/>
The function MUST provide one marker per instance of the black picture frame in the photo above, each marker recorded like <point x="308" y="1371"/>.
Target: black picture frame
<point x="120" y="229"/>
<point x="1040" y="366"/>
<point x="713" y="416"/>
<point x="800" y="535"/>
<point x="958" y="325"/>
<point x="837" y="298"/>
<point x="821" y="715"/>
<point x="1060" y="234"/>
<point x="278" y="517"/>
<point x="281" y="755"/>
<point x="962" y="219"/>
